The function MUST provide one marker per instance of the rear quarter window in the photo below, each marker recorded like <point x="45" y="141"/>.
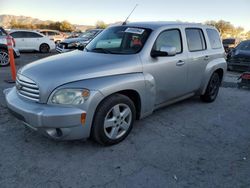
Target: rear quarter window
<point x="214" y="38"/>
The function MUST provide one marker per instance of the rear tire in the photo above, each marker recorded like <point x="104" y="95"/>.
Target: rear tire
<point x="212" y="88"/>
<point x="44" y="48"/>
<point x="113" y="120"/>
<point x="4" y="58"/>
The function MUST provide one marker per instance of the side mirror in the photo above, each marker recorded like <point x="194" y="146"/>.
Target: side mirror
<point x="81" y="47"/>
<point x="164" y="51"/>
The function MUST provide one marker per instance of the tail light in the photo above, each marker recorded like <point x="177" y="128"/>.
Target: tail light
<point x="246" y="76"/>
<point x="13" y="42"/>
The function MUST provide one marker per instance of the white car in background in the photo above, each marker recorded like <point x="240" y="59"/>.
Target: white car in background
<point x="54" y="35"/>
<point x="31" y="40"/>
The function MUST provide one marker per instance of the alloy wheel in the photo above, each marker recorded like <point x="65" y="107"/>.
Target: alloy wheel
<point x="117" y="121"/>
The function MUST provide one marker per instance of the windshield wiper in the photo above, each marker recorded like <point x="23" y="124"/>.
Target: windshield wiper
<point x="103" y="50"/>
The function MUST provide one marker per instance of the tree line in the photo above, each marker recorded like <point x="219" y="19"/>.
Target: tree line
<point x="225" y="28"/>
<point x="63" y="26"/>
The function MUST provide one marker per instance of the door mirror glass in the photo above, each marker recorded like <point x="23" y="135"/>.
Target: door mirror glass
<point x="164" y="51"/>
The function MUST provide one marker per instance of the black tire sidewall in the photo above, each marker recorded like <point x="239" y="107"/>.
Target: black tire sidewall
<point x="97" y="132"/>
<point x="41" y="46"/>
<point x="207" y="97"/>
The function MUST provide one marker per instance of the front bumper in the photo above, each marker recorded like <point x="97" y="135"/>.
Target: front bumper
<point x="16" y="53"/>
<point x="239" y="66"/>
<point x="63" y="50"/>
<point x="61" y="123"/>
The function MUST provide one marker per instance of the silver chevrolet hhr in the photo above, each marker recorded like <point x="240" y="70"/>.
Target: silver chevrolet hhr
<point x="124" y="74"/>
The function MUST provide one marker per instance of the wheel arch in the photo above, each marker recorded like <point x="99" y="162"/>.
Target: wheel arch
<point x="218" y="65"/>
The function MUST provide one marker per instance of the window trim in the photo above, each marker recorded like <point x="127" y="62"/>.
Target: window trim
<point x="209" y="39"/>
<point x="179" y="30"/>
<point x="205" y="42"/>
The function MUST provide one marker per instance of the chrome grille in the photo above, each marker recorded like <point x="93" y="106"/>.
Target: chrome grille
<point x="27" y="88"/>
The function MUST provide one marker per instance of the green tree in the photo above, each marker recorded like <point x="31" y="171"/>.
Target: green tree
<point x="248" y="35"/>
<point x="66" y="26"/>
<point x="101" y="25"/>
<point x="225" y="28"/>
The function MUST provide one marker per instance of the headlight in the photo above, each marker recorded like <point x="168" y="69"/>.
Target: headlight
<point x="70" y="96"/>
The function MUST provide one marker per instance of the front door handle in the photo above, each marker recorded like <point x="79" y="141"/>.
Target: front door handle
<point x="180" y="63"/>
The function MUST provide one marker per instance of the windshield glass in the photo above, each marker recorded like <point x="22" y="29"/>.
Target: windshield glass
<point x="88" y="34"/>
<point x="119" y="40"/>
<point x="244" y="46"/>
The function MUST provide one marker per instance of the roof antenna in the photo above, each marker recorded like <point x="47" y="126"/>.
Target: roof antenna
<point x="125" y="22"/>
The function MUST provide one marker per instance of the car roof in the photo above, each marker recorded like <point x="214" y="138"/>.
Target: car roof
<point x="158" y="24"/>
<point x="25" y="30"/>
<point x="49" y="30"/>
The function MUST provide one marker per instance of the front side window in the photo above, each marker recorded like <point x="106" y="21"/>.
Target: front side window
<point x="214" y="39"/>
<point x="195" y="39"/>
<point x="18" y="34"/>
<point x="171" y="38"/>
<point x="119" y="40"/>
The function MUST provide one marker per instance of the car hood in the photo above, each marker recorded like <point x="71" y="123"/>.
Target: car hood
<point x="52" y="72"/>
<point x="72" y="40"/>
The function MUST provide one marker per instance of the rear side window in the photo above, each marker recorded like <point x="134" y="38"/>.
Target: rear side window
<point x="18" y="34"/>
<point x="169" y="38"/>
<point x="195" y="39"/>
<point x="214" y="39"/>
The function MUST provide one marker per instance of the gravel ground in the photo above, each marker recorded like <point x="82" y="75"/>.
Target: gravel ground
<point x="188" y="144"/>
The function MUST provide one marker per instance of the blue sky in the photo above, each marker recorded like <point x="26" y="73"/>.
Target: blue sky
<point x="90" y="11"/>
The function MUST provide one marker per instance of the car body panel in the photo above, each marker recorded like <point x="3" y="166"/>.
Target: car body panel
<point x="239" y="59"/>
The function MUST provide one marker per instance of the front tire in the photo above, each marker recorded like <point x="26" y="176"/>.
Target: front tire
<point x="4" y="58"/>
<point x="113" y="120"/>
<point x="212" y="88"/>
<point x="44" y="48"/>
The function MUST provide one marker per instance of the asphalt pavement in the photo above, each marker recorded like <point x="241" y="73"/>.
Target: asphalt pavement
<point x="188" y="144"/>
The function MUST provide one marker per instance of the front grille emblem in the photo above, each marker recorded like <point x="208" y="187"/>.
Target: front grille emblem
<point x="18" y="86"/>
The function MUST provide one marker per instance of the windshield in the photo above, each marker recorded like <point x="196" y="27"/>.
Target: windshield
<point x="244" y="46"/>
<point x="119" y="40"/>
<point x="88" y="34"/>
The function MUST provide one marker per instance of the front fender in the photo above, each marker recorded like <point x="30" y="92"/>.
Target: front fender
<point x="108" y="85"/>
<point x="211" y="67"/>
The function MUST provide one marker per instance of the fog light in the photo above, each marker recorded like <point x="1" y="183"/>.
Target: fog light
<point x="83" y="118"/>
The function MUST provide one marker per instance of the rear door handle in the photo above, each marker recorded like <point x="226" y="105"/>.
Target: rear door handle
<point x="206" y="57"/>
<point x="180" y="63"/>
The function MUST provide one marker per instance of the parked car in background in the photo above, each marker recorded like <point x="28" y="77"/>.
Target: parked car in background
<point x="54" y="35"/>
<point x="81" y="41"/>
<point x="124" y="74"/>
<point x="230" y="43"/>
<point x="32" y="40"/>
<point x="4" y="54"/>
<point x="239" y="57"/>
<point x="74" y="35"/>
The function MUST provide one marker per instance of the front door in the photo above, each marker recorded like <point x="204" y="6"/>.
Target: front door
<point x="170" y="72"/>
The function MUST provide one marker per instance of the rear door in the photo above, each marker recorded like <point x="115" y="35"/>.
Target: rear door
<point x="20" y="39"/>
<point x="197" y="59"/>
<point x="33" y="40"/>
